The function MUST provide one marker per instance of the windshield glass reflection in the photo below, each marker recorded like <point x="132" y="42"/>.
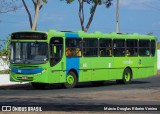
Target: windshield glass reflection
<point x="29" y="52"/>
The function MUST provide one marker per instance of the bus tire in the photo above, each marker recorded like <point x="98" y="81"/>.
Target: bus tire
<point x="126" y="77"/>
<point x="39" y="85"/>
<point x="71" y="80"/>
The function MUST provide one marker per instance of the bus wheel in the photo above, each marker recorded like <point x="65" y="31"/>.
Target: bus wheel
<point x="71" y="80"/>
<point x="127" y="76"/>
<point x="39" y="85"/>
<point x="97" y="83"/>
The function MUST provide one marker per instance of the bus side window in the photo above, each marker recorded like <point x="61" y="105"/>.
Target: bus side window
<point x="144" y="47"/>
<point x="73" y="47"/>
<point x="105" y="47"/>
<point x="147" y="53"/>
<point x="90" y="47"/>
<point x="119" y="47"/>
<point x="68" y="52"/>
<point x="128" y="53"/>
<point x="131" y="47"/>
<point x="153" y="47"/>
<point x="78" y="52"/>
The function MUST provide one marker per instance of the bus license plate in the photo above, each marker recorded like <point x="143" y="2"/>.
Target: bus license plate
<point x="24" y="77"/>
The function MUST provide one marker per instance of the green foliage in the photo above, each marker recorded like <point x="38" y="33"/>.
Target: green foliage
<point x="5" y="52"/>
<point x="45" y="1"/>
<point x="68" y="1"/>
<point x="94" y="4"/>
<point x="1" y="53"/>
<point x="38" y="4"/>
<point x="108" y="3"/>
<point x="5" y="71"/>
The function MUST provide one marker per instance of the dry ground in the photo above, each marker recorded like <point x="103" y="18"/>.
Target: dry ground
<point x="134" y="95"/>
<point x="143" y="95"/>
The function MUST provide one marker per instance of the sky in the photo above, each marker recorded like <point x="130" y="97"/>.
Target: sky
<point x="140" y="16"/>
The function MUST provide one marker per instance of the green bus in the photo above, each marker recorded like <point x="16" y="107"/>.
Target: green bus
<point x="70" y="57"/>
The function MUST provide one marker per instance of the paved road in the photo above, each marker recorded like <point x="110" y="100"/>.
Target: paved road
<point x="139" y="92"/>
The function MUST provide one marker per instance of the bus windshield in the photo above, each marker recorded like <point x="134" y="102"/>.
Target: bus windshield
<point x="29" y="52"/>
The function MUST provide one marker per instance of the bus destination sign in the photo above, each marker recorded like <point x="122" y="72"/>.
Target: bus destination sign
<point x="29" y="36"/>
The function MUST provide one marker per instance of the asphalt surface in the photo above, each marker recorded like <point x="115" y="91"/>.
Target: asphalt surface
<point x="139" y="92"/>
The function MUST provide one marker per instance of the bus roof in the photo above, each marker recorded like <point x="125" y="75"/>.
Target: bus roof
<point x="97" y="34"/>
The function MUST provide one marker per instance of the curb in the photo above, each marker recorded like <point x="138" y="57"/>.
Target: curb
<point x="5" y="81"/>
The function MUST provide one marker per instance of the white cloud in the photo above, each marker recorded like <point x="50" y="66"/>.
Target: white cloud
<point x="140" y="4"/>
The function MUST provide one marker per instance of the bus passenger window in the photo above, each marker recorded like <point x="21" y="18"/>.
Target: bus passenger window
<point x="134" y="52"/>
<point x="73" y="47"/>
<point x="144" y="47"/>
<point x="153" y="47"/>
<point x="132" y="47"/>
<point x="90" y="47"/>
<point x="105" y="47"/>
<point x="128" y="53"/>
<point x="119" y="47"/>
<point x="68" y="52"/>
<point x="78" y="52"/>
<point x="147" y="53"/>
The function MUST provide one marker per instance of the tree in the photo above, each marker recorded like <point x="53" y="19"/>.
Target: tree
<point x="5" y="50"/>
<point x="38" y="4"/>
<point x="8" y="6"/>
<point x="94" y="3"/>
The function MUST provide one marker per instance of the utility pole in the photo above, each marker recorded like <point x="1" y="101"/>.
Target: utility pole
<point x="117" y="17"/>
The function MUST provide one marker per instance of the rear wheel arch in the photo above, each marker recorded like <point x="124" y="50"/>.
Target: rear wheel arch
<point x="126" y="76"/>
